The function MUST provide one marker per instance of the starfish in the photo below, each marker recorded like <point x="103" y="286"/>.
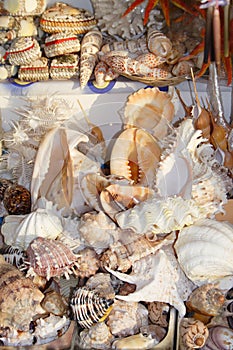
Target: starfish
<point x="194" y="11"/>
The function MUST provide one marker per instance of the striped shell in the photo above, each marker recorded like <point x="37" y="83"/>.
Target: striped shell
<point x="88" y="308"/>
<point x="158" y="43"/>
<point x="50" y="258"/>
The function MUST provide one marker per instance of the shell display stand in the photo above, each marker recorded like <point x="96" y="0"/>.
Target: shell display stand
<point x="104" y="108"/>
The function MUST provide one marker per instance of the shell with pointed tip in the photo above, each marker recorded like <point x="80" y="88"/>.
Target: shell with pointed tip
<point x="200" y="249"/>
<point x="150" y="109"/>
<point x="88" y="307"/>
<point x="193" y="334"/>
<point x="206" y="300"/>
<point x="49" y="258"/>
<point x="90" y="46"/>
<point x="126" y="318"/>
<point x="135" y="155"/>
<point x="96" y="337"/>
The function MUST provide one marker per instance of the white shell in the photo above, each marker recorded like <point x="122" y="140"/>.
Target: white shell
<point x="204" y="250"/>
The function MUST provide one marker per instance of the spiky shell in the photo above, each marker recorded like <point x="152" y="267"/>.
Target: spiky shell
<point x="193" y="334"/>
<point x="200" y="250"/>
<point x="206" y="300"/>
<point x="135" y="155"/>
<point x="87" y="262"/>
<point x="49" y="258"/>
<point x="96" y="337"/>
<point x="150" y="109"/>
<point x="88" y="308"/>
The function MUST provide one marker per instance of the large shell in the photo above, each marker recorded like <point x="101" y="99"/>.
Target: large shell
<point x="90" y="46"/>
<point x="88" y="307"/>
<point x="193" y="334"/>
<point x="150" y="109"/>
<point x="200" y="250"/>
<point x="206" y="300"/>
<point x="126" y="318"/>
<point x="96" y="337"/>
<point x="49" y="258"/>
<point x="135" y="155"/>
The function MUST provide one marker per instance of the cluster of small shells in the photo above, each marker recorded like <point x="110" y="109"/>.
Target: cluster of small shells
<point x="64" y="42"/>
<point x="117" y="251"/>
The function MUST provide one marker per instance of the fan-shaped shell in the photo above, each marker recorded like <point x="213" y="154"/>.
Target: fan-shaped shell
<point x="150" y="109"/>
<point x="204" y="250"/>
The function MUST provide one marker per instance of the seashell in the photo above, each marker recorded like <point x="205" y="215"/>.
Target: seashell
<point x="60" y="44"/>
<point x="64" y="18"/>
<point x="158" y="313"/>
<point x="87" y="262"/>
<point x="137" y="341"/>
<point x="24" y="7"/>
<point x="111" y="74"/>
<point x="126" y="318"/>
<point x="7" y="22"/>
<point x="158" y="43"/>
<point x="4" y="184"/>
<point x="49" y="258"/>
<point x="98" y="231"/>
<point x="88" y="308"/>
<point x="36" y="71"/>
<point x="96" y="337"/>
<point x="200" y="249"/>
<point x="206" y="300"/>
<point x="100" y="72"/>
<point x="54" y="303"/>
<point x="23" y="50"/>
<point x="136" y="154"/>
<point x="193" y="333"/>
<point x="101" y="284"/>
<point x="90" y="46"/>
<point x="150" y="59"/>
<point x="149" y="109"/>
<point x="182" y="68"/>
<point x="157" y="332"/>
<point x="27" y="27"/>
<point x="14" y="256"/>
<point x="17" y="200"/>
<point x="134" y="47"/>
<point x="64" y="67"/>
<point x="220" y="337"/>
<point x="125" y="65"/>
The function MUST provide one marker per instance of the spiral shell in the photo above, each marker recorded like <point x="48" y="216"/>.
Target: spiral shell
<point x="88" y="308"/>
<point x="158" y="43"/>
<point x="193" y="333"/>
<point x="49" y="258"/>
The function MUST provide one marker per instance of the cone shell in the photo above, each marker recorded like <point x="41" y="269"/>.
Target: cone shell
<point x="200" y="249"/>
<point x="150" y="109"/>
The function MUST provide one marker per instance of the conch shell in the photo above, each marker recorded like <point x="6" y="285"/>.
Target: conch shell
<point x="204" y="250"/>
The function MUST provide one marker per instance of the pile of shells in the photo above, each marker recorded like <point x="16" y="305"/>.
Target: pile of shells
<point x="63" y="42"/>
<point x="127" y="253"/>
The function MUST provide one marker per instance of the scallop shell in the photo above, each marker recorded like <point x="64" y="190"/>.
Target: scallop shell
<point x="200" y="249"/>
<point x="49" y="258"/>
<point x="135" y="155"/>
<point x="193" y="334"/>
<point x="126" y="318"/>
<point x="90" y="46"/>
<point x="150" y="109"/>
<point x="158" y="43"/>
<point x="96" y="337"/>
<point x="206" y="300"/>
<point x="88" y="308"/>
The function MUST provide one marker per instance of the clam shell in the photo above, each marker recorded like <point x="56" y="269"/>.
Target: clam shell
<point x="150" y="109"/>
<point x="200" y="250"/>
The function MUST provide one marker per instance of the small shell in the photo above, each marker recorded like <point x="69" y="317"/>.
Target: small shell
<point x="135" y="155"/>
<point x="96" y="337"/>
<point x="193" y="333"/>
<point x="23" y="50"/>
<point x="206" y="300"/>
<point x="137" y="341"/>
<point x="150" y="109"/>
<point x="182" y="68"/>
<point x="100" y="72"/>
<point x="17" y="200"/>
<point x="220" y="337"/>
<point x="49" y="258"/>
<point x="54" y="303"/>
<point x="126" y="318"/>
<point x="158" y="313"/>
<point x="87" y="262"/>
<point x="88" y="308"/>
<point x="101" y="283"/>
<point x="158" y="43"/>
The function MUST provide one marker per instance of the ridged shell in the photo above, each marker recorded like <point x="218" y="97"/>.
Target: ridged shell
<point x="206" y="300"/>
<point x="158" y="43"/>
<point x="49" y="258"/>
<point x="88" y="307"/>
<point x="150" y="109"/>
<point x="158" y="313"/>
<point x="87" y="262"/>
<point x="135" y="155"/>
<point x="96" y="337"/>
<point x="200" y="250"/>
<point x="193" y="334"/>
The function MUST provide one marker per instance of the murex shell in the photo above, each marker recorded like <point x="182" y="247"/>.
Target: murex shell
<point x="49" y="258"/>
<point x="204" y="250"/>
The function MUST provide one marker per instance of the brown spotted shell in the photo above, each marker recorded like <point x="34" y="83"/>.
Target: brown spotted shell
<point x="206" y="300"/>
<point x="50" y="258"/>
<point x="17" y="200"/>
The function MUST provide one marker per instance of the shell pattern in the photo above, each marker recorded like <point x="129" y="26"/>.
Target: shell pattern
<point x="49" y="258"/>
<point x="193" y="333"/>
<point x="88" y="308"/>
<point x="158" y="43"/>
